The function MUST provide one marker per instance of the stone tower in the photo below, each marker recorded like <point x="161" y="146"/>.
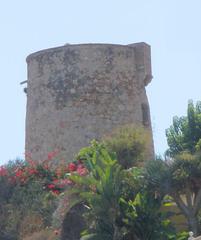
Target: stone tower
<point x="77" y="93"/>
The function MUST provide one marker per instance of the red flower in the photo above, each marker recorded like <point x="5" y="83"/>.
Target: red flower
<point x="51" y="186"/>
<point x="32" y="171"/>
<point x="55" y="191"/>
<point x="45" y="166"/>
<point x="3" y="171"/>
<point x="72" y="167"/>
<point x="68" y="182"/>
<point x="23" y="180"/>
<point x="82" y="171"/>
<point x="31" y="162"/>
<point x="64" y="182"/>
<point x="52" y="154"/>
<point x="19" y="173"/>
<point x="55" y="181"/>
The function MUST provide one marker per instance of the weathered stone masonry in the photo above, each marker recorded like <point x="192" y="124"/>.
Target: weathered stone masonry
<point x="80" y="92"/>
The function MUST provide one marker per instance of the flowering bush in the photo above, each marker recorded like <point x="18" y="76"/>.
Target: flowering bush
<point x="29" y="192"/>
<point x="115" y="198"/>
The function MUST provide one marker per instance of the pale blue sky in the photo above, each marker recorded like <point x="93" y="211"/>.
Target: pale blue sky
<point x="172" y="28"/>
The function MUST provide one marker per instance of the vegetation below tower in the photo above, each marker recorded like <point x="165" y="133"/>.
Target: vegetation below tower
<point x="111" y="187"/>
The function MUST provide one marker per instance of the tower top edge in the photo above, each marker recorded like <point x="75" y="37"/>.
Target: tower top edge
<point x="83" y="45"/>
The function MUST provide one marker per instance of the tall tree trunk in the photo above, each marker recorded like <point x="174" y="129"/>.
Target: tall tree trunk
<point x="193" y="224"/>
<point x="190" y="212"/>
<point x="117" y="233"/>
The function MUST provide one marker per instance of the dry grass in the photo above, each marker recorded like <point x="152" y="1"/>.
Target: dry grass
<point x="31" y="223"/>
<point x="42" y="235"/>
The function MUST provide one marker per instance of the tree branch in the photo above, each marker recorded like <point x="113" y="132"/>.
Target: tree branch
<point x="181" y="204"/>
<point x="197" y="202"/>
<point x="189" y="197"/>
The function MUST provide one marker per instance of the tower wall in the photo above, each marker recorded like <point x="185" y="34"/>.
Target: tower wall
<point x="77" y="93"/>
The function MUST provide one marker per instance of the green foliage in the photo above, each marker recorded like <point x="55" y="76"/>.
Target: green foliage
<point x="25" y="204"/>
<point x="158" y="176"/>
<point x="121" y="202"/>
<point x="185" y="132"/>
<point x="144" y="219"/>
<point x="129" y="144"/>
<point x="180" y="178"/>
<point x="101" y="191"/>
<point x="29" y="193"/>
<point x="184" y="140"/>
<point x="178" y="236"/>
<point x="174" y="176"/>
<point x="118" y="205"/>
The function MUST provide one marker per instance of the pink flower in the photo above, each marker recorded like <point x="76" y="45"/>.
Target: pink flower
<point x="51" y="186"/>
<point x="62" y="182"/>
<point x="52" y="154"/>
<point x="3" y="171"/>
<point x="19" y="173"/>
<point x="82" y="171"/>
<point x="80" y="166"/>
<point x="72" y="167"/>
<point x="55" y="181"/>
<point x="31" y="162"/>
<point x="56" y="192"/>
<point x="45" y="166"/>
<point x="32" y="171"/>
<point x="65" y="182"/>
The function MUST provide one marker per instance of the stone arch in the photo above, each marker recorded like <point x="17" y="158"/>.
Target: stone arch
<point x="73" y="223"/>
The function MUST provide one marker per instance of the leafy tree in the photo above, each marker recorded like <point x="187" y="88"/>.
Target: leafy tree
<point x="185" y="132"/>
<point x="180" y="179"/>
<point x="184" y="140"/>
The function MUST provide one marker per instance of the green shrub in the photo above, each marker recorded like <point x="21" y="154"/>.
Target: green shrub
<point x="118" y="205"/>
<point x="130" y="144"/>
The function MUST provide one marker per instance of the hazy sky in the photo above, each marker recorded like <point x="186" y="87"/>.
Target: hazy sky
<point x="171" y="27"/>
